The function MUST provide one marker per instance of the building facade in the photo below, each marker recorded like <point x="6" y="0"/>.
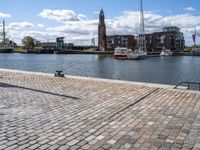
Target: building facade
<point x="170" y="38"/>
<point x="8" y="42"/>
<point x="102" y="32"/>
<point x="121" y="41"/>
<point x="60" y="43"/>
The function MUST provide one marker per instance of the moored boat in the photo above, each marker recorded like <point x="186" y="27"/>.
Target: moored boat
<point x="3" y="47"/>
<point x="122" y="53"/>
<point x="166" y="52"/>
<point x="6" y="49"/>
<point x="138" y="55"/>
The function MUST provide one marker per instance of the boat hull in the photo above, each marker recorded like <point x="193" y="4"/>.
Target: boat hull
<point x="120" y="57"/>
<point x="6" y="49"/>
<point x="138" y="57"/>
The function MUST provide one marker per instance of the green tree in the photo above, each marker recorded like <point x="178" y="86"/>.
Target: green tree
<point x="29" y="42"/>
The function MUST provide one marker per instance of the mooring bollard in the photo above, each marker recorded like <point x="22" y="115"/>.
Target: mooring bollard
<point x="59" y="73"/>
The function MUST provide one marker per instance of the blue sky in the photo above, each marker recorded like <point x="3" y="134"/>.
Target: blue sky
<point x="77" y="19"/>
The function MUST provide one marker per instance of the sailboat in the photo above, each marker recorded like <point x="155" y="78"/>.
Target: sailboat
<point x="3" y="47"/>
<point x="141" y="52"/>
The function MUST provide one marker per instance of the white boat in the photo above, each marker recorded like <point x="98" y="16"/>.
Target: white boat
<point x="122" y="53"/>
<point x="166" y="52"/>
<point x="137" y="55"/>
<point x="195" y="50"/>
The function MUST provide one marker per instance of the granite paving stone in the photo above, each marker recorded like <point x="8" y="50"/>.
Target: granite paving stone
<point x="40" y="111"/>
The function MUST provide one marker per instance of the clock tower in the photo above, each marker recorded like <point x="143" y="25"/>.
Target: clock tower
<point x="102" y="32"/>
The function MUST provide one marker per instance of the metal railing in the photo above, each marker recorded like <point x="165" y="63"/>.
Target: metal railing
<point x="189" y="85"/>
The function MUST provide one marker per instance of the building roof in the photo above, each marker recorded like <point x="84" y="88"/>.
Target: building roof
<point x="171" y="27"/>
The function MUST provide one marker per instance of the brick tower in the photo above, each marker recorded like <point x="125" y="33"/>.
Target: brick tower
<point x="101" y="32"/>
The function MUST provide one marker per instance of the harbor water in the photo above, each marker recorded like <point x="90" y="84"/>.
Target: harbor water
<point x="163" y="70"/>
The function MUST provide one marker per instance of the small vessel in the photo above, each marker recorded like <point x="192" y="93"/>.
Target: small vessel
<point x="137" y="55"/>
<point x="166" y="52"/>
<point x="3" y="47"/>
<point x="6" y="49"/>
<point x="125" y="53"/>
<point x="122" y="53"/>
<point x="196" y="50"/>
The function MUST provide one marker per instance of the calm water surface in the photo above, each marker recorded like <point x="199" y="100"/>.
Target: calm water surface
<point x="168" y="70"/>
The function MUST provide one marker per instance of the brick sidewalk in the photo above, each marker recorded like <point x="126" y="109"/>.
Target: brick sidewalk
<point x="44" y="112"/>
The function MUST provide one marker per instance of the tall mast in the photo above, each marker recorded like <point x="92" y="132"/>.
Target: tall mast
<point x="195" y="34"/>
<point x="4" y="32"/>
<point x="142" y="41"/>
<point x="141" y="18"/>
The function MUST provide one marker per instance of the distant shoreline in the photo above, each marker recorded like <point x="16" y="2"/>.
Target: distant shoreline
<point x="64" y="52"/>
<point x="153" y="54"/>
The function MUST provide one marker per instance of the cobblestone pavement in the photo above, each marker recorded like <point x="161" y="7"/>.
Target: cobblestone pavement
<point x="44" y="112"/>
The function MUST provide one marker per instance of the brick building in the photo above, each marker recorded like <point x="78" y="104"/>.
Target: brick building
<point x="170" y="38"/>
<point x="121" y="41"/>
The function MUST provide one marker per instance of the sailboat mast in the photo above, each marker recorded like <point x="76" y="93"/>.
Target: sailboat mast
<point x="195" y="37"/>
<point x="141" y="18"/>
<point x="4" y="32"/>
<point x="142" y="41"/>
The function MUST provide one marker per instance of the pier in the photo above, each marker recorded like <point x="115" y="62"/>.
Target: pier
<point x="40" y="111"/>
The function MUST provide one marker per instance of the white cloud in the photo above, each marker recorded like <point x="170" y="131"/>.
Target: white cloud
<point x="20" y="25"/>
<point x="79" y="27"/>
<point x="40" y="25"/>
<point x="189" y="8"/>
<point x="4" y="15"/>
<point x="61" y="15"/>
